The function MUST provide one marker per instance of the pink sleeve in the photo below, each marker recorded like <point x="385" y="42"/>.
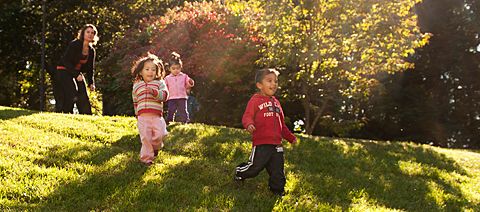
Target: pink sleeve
<point x="166" y="81"/>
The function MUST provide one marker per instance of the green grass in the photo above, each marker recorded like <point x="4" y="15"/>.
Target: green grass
<point x="53" y="162"/>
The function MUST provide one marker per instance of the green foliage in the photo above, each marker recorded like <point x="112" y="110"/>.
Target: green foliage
<point x="61" y="162"/>
<point x="21" y="42"/>
<point x="95" y="102"/>
<point x="216" y="52"/>
<point x="17" y="81"/>
<point x="333" y="50"/>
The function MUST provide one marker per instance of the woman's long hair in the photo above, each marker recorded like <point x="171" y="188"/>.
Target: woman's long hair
<point x="81" y="33"/>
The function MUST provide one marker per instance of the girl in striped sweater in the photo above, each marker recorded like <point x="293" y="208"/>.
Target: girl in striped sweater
<point x="148" y="94"/>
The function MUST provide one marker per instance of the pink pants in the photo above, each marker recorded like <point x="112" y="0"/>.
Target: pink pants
<point x="152" y="130"/>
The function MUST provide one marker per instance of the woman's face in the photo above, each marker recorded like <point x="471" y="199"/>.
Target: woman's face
<point x="89" y="34"/>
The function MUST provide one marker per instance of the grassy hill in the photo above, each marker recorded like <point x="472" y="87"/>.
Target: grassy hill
<point x="76" y="163"/>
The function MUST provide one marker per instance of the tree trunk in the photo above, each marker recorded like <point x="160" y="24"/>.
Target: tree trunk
<point x="312" y="113"/>
<point x="317" y="113"/>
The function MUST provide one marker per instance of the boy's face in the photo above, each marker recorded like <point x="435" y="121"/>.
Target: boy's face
<point x="175" y="69"/>
<point x="269" y="84"/>
<point x="149" y="71"/>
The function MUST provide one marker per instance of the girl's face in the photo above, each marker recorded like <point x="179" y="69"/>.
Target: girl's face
<point x="149" y="71"/>
<point x="89" y="34"/>
<point x="175" y="69"/>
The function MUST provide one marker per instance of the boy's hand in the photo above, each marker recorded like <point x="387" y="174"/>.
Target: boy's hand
<point x="251" y="128"/>
<point x="294" y="141"/>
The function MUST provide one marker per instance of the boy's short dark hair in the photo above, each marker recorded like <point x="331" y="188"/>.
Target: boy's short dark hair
<point x="262" y="72"/>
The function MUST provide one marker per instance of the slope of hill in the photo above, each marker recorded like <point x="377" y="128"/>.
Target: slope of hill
<point x="63" y="162"/>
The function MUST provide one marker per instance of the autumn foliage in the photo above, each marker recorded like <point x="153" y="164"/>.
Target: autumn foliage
<point x="216" y="51"/>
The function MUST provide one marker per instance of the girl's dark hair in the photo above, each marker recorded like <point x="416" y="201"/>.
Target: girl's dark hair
<point x="138" y="66"/>
<point x="81" y="33"/>
<point x="175" y="59"/>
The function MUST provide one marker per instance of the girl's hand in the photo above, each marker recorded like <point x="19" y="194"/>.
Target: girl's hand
<point x="150" y="90"/>
<point x="251" y="128"/>
<point x="190" y="82"/>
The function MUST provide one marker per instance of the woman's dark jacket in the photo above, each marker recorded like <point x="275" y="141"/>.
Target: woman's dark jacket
<point x="72" y="57"/>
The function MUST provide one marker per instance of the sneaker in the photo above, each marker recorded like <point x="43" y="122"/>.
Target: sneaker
<point x="238" y="180"/>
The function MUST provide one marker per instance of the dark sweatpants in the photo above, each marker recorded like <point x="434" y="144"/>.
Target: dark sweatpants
<point x="72" y="92"/>
<point x="269" y="157"/>
<point x="177" y="108"/>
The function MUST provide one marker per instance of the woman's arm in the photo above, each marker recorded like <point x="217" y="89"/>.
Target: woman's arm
<point x="70" y="58"/>
<point x="90" y="67"/>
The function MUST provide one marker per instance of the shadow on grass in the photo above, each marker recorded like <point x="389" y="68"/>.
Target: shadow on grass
<point x="7" y="113"/>
<point x="342" y="173"/>
<point x="195" y="170"/>
<point x="62" y="157"/>
<point x="121" y="182"/>
<point x="206" y="181"/>
<point x="116" y="166"/>
<point x="199" y="185"/>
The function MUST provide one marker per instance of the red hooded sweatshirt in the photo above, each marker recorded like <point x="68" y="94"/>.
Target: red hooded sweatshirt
<point x="266" y="114"/>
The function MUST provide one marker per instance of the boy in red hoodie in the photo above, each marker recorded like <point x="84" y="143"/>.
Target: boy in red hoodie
<point x="264" y="119"/>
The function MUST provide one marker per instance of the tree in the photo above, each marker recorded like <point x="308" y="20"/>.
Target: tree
<point x="215" y="49"/>
<point x="332" y="50"/>
<point x="20" y="27"/>
<point x="437" y="102"/>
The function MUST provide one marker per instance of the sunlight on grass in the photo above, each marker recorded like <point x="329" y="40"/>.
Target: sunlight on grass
<point x="117" y="164"/>
<point x="163" y="167"/>
<point x="362" y="202"/>
<point x="410" y="168"/>
<point x="228" y="150"/>
<point x="51" y="162"/>
<point x="437" y="193"/>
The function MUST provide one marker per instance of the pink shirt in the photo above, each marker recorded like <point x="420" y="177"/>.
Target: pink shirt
<point x="177" y="85"/>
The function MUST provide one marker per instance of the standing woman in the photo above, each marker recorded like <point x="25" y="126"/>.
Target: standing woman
<point x="77" y="66"/>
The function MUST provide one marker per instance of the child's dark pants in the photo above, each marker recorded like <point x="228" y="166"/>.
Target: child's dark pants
<point x="177" y="107"/>
<point x="266" y="156"/>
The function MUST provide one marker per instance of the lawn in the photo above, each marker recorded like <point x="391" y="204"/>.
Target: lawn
<point x="58" y="162"/>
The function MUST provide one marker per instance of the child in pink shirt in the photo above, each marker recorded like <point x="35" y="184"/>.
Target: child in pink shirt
<point x="177" y="83"/>
<point x="148" y="93"/>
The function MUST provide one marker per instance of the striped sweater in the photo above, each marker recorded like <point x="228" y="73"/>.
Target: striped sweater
<point x="149" y="102"/>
